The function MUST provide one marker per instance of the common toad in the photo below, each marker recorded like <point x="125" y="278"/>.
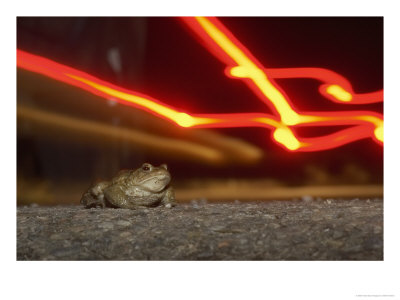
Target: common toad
<point x="144" y="187"/>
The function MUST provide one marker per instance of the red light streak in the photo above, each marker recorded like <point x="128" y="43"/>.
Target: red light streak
<point x="241" y="64"/>
<point x="328" y="78"/>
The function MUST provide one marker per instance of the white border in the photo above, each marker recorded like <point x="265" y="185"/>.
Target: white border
<point x="199" y="280"/>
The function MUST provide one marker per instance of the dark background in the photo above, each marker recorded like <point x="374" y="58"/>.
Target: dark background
<point x="160" y="57"/>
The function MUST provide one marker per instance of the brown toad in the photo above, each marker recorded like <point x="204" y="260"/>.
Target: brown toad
<point x="144" y="187"/>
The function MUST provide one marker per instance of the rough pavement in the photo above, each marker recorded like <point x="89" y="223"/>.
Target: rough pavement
<point x="306" y="229"/>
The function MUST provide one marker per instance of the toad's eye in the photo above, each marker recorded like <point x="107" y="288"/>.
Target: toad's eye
<point x="146" y="168"/>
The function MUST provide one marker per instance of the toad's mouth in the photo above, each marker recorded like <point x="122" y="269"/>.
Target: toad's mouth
<point x="155" y="183"/>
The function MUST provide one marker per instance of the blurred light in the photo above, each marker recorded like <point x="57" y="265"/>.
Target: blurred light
<point x="285" y="136"/>
<point x="241" y="64"/>
<point x="339" y="93"/>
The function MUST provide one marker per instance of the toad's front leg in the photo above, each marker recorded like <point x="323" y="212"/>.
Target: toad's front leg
<point x="169" y="198"/>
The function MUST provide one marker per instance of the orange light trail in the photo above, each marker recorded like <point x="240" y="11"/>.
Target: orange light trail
<point x="241" y="64"/>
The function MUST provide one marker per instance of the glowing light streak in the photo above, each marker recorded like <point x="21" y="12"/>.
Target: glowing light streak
<point x="181" y="118"/>
<point x="242" y="65"/>
<point x="339" y="93"/>
<point x="328" y="78"/>
<point x="104" y="89"/>
<point x="248" y="67"/>
<point x="286" y="137"/>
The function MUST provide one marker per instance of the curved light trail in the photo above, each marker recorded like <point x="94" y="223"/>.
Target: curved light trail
<point x="242" y="65"/>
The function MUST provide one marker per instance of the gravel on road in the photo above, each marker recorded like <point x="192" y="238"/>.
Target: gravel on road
<point x="303" y="229"/>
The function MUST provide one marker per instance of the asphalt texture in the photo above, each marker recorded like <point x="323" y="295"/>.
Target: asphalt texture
<point x="307" y="229"/>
